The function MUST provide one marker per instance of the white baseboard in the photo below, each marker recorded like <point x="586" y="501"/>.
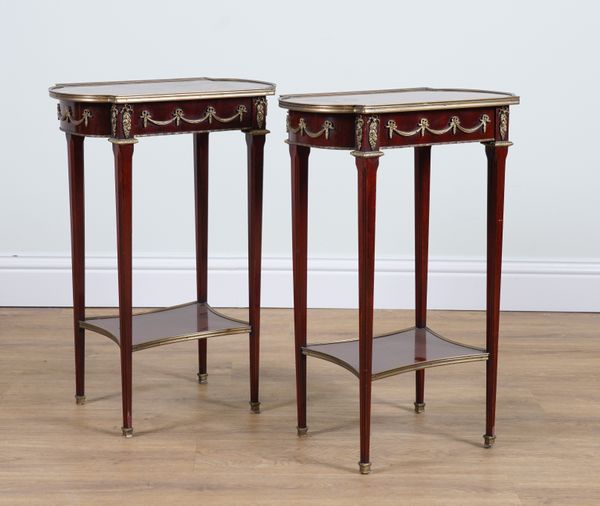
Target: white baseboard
<point x="453" y="284"/>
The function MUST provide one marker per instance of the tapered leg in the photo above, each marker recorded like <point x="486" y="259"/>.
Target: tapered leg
<point x="202" y="374"/>
<point x="123" y="153"/>
<point x="422" y="178"/>
<point x="201" y="200"/>
<point x="299" y="158"/>
<point x="255" y="142"/>
<point x="76" y="195"/>
<point x="496" y="156"/>
<point x="367" y="179"/>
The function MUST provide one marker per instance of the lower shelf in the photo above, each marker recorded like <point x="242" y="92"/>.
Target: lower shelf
<point x="399" y="352"/>
<point x="163" y="326"/>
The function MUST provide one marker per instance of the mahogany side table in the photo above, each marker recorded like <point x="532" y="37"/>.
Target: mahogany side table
<point x="366" y="122"/>
<point x="123" y="112"/>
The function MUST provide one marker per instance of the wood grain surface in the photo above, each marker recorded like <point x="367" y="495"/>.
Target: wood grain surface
<point x="199" y="444"/>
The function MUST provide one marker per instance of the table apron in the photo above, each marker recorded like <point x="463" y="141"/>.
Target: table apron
<point x="125" y="121"/>
<point x="371" y="132"/>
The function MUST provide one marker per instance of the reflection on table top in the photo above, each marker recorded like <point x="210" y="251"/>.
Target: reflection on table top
<point x="160" y="90"/>
<point x="409" y="99"/>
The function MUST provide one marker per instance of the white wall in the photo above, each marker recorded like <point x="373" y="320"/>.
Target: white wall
<point x="545" y="52"/>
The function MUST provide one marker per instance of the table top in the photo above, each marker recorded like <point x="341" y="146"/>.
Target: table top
<point x="408" y="99"/>
<point x="160" y="90"/>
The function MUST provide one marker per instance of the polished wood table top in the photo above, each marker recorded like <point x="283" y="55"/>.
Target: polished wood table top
<point x="125" y="110"/>
<point x="408" y="99"/>
<point x="367" y="121"/>
<point x="159" y="90"/>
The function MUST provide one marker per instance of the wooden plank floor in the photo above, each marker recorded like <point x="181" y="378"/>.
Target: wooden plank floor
<point x="199" y="444"/>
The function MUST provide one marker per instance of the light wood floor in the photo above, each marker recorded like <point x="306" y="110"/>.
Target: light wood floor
<point x="199" y="444"/>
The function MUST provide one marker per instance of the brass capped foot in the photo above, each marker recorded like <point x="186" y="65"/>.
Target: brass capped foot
<point x="365" y="467"/>
<point x="80" y="400"/>
<point x="419" y="407"/>
<point x="202" y="378"/>
<point x="255" y="407"/>
<point x="488" y="441"/>
<point x="127" y="431"/>
<point x="302" y="431"/>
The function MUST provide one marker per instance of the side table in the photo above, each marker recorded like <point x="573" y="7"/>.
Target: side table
<point x="366" y="122"/>
<point x="123" y="112"/>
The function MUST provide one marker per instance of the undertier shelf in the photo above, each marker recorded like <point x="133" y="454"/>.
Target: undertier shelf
<point x="399" y="352"/>
<point x="163" y="326"/>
